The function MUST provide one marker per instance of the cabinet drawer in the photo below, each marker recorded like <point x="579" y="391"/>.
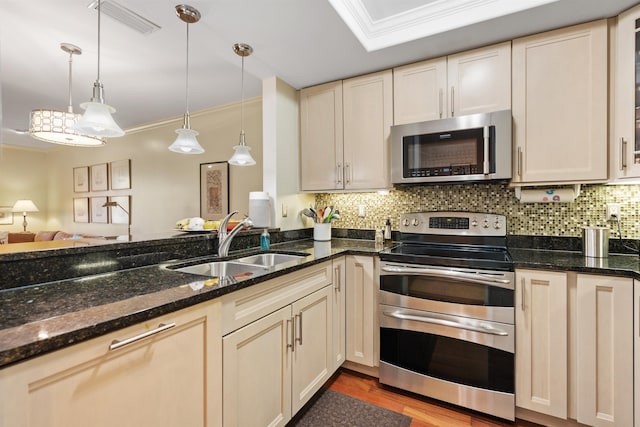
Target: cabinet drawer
<point x="247" y="305"/>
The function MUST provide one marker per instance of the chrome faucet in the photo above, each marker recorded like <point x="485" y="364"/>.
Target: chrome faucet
<point x="225" y="238"/>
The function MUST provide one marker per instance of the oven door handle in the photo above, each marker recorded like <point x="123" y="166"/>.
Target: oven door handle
<point x="485" y="329"/>
<point x="460" y="275"/>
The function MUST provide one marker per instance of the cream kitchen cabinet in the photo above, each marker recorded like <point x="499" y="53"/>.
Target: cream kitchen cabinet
<point x="541" y="341"/>
<point x="278" y="351"/>
<point x="339" y="313"/>
<point x="574" y="354"/>
<point x="470" y="82"/>
<point x="560" y="88"/>
<point x="625" y="147"/>
<point x="345" y="127"/>
<point x="361" y="308"/>
<point x="163" y="372"/>
<point x="636" y="348"/>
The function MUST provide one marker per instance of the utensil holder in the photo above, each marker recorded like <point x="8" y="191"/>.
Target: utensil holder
<point x="595" y="242"/>
<point x="322" y="231"/>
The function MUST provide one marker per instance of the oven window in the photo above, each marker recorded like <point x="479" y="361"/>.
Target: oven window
<point x="452" y="291"/>
<point x="448" y="359"/>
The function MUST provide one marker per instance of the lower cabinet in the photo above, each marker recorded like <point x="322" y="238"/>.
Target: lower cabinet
<point x="361" y="309"/>
<point x="274" y="364"/>
<point x="339" y="313"/>
<point x="574" y="355"/>
<point x="164" y="372"/>
<point x="636" y="348"/>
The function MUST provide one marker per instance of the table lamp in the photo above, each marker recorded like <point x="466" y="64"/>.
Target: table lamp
<point x="24" y="206"/>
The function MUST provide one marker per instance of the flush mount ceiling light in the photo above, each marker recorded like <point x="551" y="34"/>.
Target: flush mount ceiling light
<point x="186" y="142"/>
<point x="380" y="23"/>
<point x="56" y="126"/>
<point x="241" y="152"/>
<point x="97" y="120"/>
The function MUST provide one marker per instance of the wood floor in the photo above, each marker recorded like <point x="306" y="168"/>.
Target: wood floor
<point x="425" y="412"/>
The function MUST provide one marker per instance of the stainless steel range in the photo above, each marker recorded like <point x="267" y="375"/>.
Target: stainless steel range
<point x="447" y="311"/>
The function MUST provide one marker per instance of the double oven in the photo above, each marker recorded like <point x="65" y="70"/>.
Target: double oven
<point x="446" y="311"/>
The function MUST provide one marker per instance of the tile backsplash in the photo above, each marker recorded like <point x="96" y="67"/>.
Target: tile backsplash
<point x="533" y="219"/>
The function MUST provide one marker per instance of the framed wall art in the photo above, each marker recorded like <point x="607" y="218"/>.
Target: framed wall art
<point x="99" y="177"/>
<point x="121" y="212"/>
<point x="99" y="212"/>
<point x="81" y="179"/>
<point x="6" y="215"/>
<point x="120" y="174"/>
<point x="81" y="209"/>
<point x="214" y="190"/>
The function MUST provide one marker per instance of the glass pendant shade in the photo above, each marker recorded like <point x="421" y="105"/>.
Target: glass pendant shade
<point x="186" y="142"/>
<point x="241" y="155"/>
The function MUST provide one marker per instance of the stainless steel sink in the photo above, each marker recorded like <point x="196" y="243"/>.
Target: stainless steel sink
<point x="224" y="269"/>
<point x="269" y="259"/>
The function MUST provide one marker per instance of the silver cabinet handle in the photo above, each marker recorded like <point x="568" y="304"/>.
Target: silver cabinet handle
<point x="485" y="163"/>
<point x="116" y="344"/>
<point x="460" y="275"/>
<point x="339" y="173"/>
<point x="522" y="288"/>
<point x="289" y="333"/>
<point x="519" y="162"/>
<point x="299" y="338"/>
<point x="441" y="103"/>
<point x="338" y="278"/>
<point x="485" y="329"/>
<point x="623" y="154"/>
<point x="452" y="102"/>
<point x="347" y="172"/>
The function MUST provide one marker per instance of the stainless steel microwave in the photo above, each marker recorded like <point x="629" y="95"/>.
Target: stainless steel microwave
<point x="476" y="147"/>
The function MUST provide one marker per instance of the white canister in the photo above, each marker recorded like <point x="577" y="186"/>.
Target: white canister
<point x="322" y="231"/>
<point x="260" y="208"/>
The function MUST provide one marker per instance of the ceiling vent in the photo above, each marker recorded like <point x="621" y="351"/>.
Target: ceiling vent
<point x="125" y="16"/>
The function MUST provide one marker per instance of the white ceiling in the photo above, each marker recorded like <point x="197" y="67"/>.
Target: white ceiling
<point x="303" y="42"/>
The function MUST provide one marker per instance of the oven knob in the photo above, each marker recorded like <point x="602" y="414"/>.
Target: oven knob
<point x="474" y="223"/>
<point x="486" y="223"/>
<point x="415" y="222"/>
<point x="405" y="222"/>
<point x="496" y="225"/>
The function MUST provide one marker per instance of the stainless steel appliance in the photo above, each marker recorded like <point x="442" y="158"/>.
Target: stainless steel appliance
<point x="476" y="147"/>
<point x="446" y="311"/>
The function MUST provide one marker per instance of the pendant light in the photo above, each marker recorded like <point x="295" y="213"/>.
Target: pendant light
<point x="97" y="120"/>
<point x="56" y="126"/>
<point x="241" y="155"/>
<point x="186" y="142"/>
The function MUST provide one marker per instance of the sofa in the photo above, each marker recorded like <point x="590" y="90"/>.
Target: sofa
<point x="41" y="236"/>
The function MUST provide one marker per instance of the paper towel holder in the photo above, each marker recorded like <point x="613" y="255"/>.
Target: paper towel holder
<point x="563" y="195"/>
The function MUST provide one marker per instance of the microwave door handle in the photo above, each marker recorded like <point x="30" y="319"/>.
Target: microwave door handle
<point x="486" y="329"/>
<point x="451" y="274"/>
<point x="485" y="164"/>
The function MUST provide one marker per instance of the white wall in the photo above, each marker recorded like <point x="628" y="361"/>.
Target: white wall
<point x="165" y="186"/>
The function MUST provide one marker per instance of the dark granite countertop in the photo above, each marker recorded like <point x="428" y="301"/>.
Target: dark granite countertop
<point x="39" y="318"/>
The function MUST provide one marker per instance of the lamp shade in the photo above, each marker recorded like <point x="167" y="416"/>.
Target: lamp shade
<point x="97" y="120"/>
<point x="241" y="156"/>
<point x="186" y="142"/>
<point x="58" y="127"/>
<point x="25" y="206"/>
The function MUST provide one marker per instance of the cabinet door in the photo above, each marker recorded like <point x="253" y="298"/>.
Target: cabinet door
<point x="419" y="91"/>
<point x="312" y="361"/>
<point x="367" y="118"/>
<point x="541" y="342"/>
<point x="479" y="80"/>
<point x="257" y="372"/>
<point x="560" y="105"/>
<point x="321" y="146"/>
<point x="604" y="350"/>
<point x="339" y="313"/>
<point x="626" y="143"/>
<point x="636" y="348"/>
<point x="361" y="305"/>
<point x="159" y="379"/>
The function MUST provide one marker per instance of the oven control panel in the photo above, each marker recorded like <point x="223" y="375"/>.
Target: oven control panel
<point x="454" y="223"/>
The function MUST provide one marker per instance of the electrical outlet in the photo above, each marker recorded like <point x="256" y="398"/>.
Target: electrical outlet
<point x="613" y="211"/>
<point x="361" y="211"/>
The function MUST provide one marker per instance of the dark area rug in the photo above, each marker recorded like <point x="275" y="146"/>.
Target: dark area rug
<point x="337" y="409"/>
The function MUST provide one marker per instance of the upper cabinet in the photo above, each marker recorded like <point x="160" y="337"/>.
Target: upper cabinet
<point x="625" y="147"/>
<point x="345" y="127"/>
<point x="475" y="81"/>
<point x="560" y="105"/>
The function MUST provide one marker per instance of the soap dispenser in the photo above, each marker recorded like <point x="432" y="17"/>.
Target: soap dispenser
<point x="265" y="240"/>
<point x="387" y="230"/>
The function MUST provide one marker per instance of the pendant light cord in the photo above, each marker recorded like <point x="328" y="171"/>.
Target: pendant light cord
<point x="186" y="89"/>
<point x="70" y="108"/>
<point x="99" y="3"/>
<point x="242" y="99"/>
